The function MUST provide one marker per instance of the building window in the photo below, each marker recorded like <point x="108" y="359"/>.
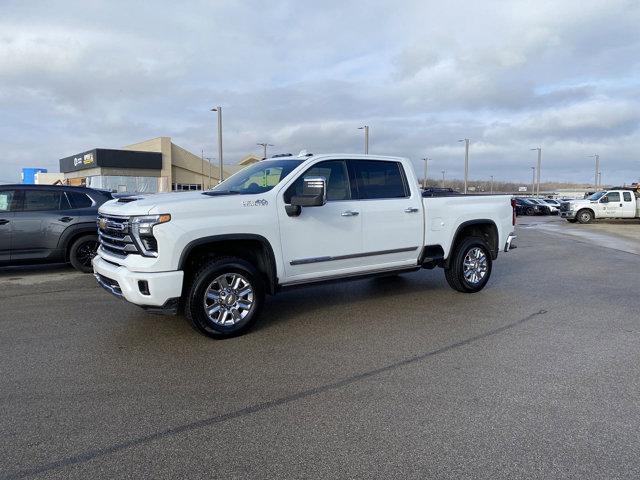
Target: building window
<point x="185" y="186"/>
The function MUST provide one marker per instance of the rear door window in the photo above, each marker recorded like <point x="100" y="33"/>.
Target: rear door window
<point x="627" y="196"/>
<point x="379" y="179"/>
<point x="79" y="200"/>
<point x="41" y="200"/>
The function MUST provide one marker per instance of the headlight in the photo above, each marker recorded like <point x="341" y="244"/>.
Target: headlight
<point x="142" y="232"/>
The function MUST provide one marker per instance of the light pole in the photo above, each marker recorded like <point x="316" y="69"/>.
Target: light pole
<point x="597" y="157"/>
<point x="600" y="179"/>
<point x="533" y="179"/>
<point x="443" y="172"/>
<point x="424" y="180"/>
<point x="209" y="159"/>
<point x="539" y="165"/>
<point x="219" y="110"/>
<point x="466" y="163"/>
<point x="366" y="138"/>
<point x="492" y="184"/>
<point x="265" y="145"/>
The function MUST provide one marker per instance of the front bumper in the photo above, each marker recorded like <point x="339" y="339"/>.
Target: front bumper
<point x="160" y="288"/>
<point x="508" y="245"/>
<point x="568" y="214"/>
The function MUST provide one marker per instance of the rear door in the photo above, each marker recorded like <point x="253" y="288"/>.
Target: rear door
<point x="38" y="224"/>
<point x="7" y="197"/>
<point x="392" y="214"/>
<point x="628" y="205"/>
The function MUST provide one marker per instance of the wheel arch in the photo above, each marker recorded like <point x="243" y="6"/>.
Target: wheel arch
<point x="485" y="228"/>
<point x="253" y="248"/>
<point x="591" y="210"/>
<point x="72" y="233"/>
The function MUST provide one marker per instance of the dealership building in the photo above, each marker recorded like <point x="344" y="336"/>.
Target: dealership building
<point x="155" y="165"/>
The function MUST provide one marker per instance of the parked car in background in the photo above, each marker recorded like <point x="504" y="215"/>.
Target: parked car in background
<point x="544" y="208"/>
<point x="552" y="205"/>
<point x="524" y="206"/>
<point x="47" y="223"/>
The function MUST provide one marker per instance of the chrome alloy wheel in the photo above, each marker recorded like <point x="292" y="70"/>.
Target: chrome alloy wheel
<point x="475" y="265"/>
<point x="228" y="299"/>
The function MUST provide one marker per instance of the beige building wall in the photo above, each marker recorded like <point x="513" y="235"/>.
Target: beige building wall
<point x="43" y="178"/>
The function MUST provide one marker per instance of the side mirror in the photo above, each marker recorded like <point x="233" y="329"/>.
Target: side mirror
<point x="314" y="193"/>
<point x="605" y="199"/>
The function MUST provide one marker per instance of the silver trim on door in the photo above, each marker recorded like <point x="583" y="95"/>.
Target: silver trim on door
<point x="305" y="261"/>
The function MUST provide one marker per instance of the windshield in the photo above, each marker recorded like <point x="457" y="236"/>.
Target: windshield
<point x="257" y="178"/>
<point x="596" y="196"/>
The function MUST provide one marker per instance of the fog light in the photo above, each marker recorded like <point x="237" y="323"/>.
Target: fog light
<point x="143" y="286"/>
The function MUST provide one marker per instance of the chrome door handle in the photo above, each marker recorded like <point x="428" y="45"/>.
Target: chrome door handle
<point x="350" y="213"/>
<point x="410" y="210"/>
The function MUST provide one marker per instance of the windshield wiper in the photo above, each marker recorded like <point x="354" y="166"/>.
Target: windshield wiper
<point x="214" y="193"/>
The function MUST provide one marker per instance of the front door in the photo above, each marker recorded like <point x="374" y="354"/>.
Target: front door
<point x="322" y="241"/>
<point x="6" y="223"/>
<point x="613" y="207"/>
<point x="392" y="216"/>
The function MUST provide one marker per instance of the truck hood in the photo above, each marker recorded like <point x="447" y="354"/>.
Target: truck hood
<point x="179" y="202"/>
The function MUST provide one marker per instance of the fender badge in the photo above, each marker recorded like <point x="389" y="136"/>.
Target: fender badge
<point x="255" y="203"/>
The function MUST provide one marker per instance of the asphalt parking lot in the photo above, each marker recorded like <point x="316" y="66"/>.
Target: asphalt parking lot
<point x="538" y="376"/>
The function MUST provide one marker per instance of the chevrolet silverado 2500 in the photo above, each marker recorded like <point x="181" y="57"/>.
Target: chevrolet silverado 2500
<point x="289" y="221"/>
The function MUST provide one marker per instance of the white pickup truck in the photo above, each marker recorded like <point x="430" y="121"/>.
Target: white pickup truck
<point x="289" y="221"/>
<point x="621" y="203"/>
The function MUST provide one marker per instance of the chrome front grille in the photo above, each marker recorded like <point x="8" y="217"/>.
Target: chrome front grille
<point x="564" y="207"/>
<point x="115" y="235"/>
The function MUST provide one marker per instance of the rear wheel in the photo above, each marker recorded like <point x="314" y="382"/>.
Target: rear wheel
<point x="470" y="266"/>
<point x="225" y="297"/>
<point x="584" y="216"/>
<point x="82" y="252"/>
<point x="530" y="211"/>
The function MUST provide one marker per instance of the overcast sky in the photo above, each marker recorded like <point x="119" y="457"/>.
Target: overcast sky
<point x="510" y="76"/>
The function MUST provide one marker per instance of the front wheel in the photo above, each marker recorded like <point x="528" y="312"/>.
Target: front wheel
<point x="470" y="266"/>
<point x="584" y="216"/>
<point x="82" y="252"/>
<point x="225" y="297"/>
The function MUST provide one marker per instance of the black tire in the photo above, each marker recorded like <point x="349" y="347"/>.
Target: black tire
<point x="530" y="211"/>
<point x="584" y="216"/>
<point x="205" y="280"/>
<point x="455" y="272"/>
<point x="82" y="251"/>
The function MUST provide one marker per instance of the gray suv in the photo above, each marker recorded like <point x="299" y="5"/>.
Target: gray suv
<point x="47" y="223"/>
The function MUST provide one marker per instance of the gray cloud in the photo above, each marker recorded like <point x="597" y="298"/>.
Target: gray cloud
<point x="508" y="75"/>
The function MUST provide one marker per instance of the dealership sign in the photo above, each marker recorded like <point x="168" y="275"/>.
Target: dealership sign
<point x="102" y="157"/>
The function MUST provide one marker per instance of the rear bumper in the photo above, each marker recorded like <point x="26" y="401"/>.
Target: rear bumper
<point x="509" y="243"/>
<point x="160" y="288"/>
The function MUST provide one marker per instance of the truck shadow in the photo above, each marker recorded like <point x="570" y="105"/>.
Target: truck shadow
<point x="299" y="303"/>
